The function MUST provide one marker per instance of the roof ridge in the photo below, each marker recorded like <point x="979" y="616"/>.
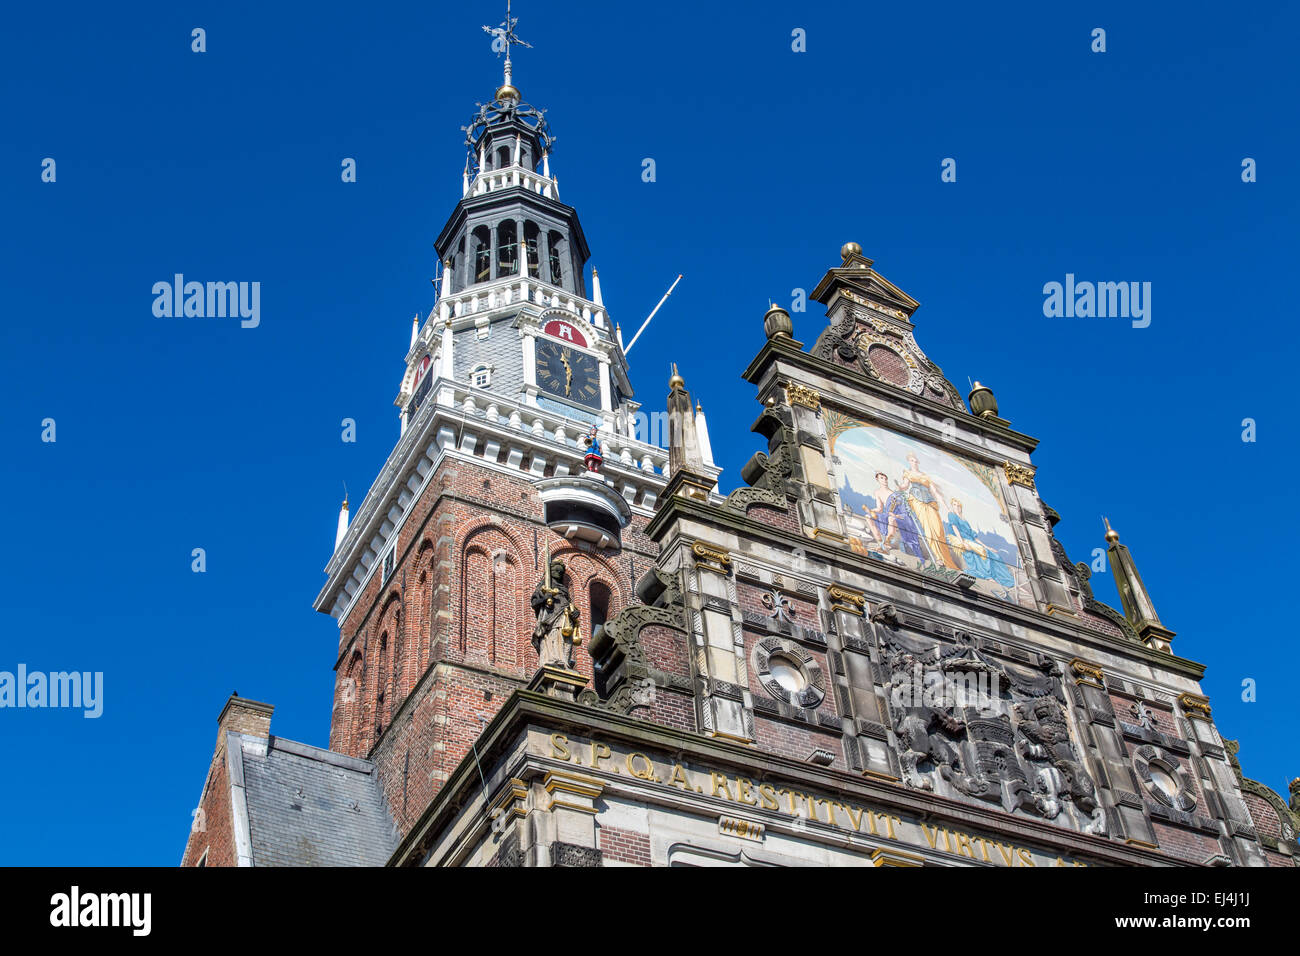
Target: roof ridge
<point x="320" y="754"/>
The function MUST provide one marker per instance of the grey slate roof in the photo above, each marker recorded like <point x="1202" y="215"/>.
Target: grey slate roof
<point x="502" y="350"/>
<point x="313" y="807"/>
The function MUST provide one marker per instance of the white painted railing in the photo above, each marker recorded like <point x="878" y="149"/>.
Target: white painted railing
<point x="511" y="176"/>
<point x="542" y="423"/>
<point x="513" y="290"/>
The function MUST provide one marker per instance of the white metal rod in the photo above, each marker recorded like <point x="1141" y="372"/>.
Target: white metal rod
<point x="652" y="314"/>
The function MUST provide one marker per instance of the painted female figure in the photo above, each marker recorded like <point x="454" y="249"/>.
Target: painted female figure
<point x="924" y="496"/>
<point x="891" y="517"/>
<point x="979" y="560"/>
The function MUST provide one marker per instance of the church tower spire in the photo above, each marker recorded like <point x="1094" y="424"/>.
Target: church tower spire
<point x="513" y="290"/>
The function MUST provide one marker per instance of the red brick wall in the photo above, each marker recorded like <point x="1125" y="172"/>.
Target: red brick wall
<point x="666" y="649"/>
<point x="468" y="558"/>
<point x="1264" y="816"/>
<point x="794" y="740"/>
<point x="786" y="520"/>
<point x="430" y="738"/>
<point x="1186" y="844"/>
<point x="217" y="837"/>
<point x="673" y="709"/>
<point x="625" y="846"/>
<point x="466" y="568"/>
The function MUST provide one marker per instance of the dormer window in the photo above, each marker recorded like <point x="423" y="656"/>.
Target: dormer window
<point x="481" y="377"/>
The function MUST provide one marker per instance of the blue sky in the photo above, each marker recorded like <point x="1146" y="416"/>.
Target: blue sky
<point x="174" y="434"/>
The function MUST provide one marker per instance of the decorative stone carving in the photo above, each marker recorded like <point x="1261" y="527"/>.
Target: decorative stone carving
<point x="846" y="599"/>
<point x="1147" y="760"/>
<point x="886" y="614"/>
<point x="886" y="352"/>
<point x="1085" y="673"/>
<point x="509" y="854"/>
<point x="803" y="395"/>
<point x="768" y="474"/>
<point x="1288" y="814"/>
<point x="806" y="688"/>
<point x="714" y="558"/>
<point x="778" y="606"/>
<point x="569" y="854"/>
<point x="1144" y="718"/>
<point x="987" y="730"/>
<point x="1195" y="706"/>
<point x="556" y="632"/>
<point x="1048" y="746"/>
<point x="1019" y="474"/>
<point x="924" y="733"/>
<point x="1082" y="574"/>
<point x="622" y="677"/>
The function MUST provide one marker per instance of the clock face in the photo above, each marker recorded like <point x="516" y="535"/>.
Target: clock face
<point x="568" y="374"/>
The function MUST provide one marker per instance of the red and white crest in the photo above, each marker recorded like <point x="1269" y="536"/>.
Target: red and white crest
<point x="565" y="331"/>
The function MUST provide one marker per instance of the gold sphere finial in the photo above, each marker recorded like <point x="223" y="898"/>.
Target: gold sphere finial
<point x="850" y="249"/>
<point x="676" y="383"/>
<point x="1111" y="534"/>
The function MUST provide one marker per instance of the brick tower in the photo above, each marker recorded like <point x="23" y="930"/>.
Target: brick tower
<point x="512" y="373"/>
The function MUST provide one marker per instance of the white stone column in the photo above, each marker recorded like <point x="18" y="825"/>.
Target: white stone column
<point x="702" y="430"/>
<point x="606" y="399"/>
<point x="342" y="531"/>
<point x="530" y="360"/>
<point x="447" y="368"/>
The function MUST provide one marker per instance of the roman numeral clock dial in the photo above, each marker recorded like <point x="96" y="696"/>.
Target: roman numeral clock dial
<point x="568" y="374"/>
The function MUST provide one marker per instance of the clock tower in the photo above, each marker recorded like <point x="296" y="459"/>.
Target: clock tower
<point x="516" y="317"/>
<point x="513" y="379"/>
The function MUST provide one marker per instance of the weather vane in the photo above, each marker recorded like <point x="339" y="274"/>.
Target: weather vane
<point x="504" y="35"/>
